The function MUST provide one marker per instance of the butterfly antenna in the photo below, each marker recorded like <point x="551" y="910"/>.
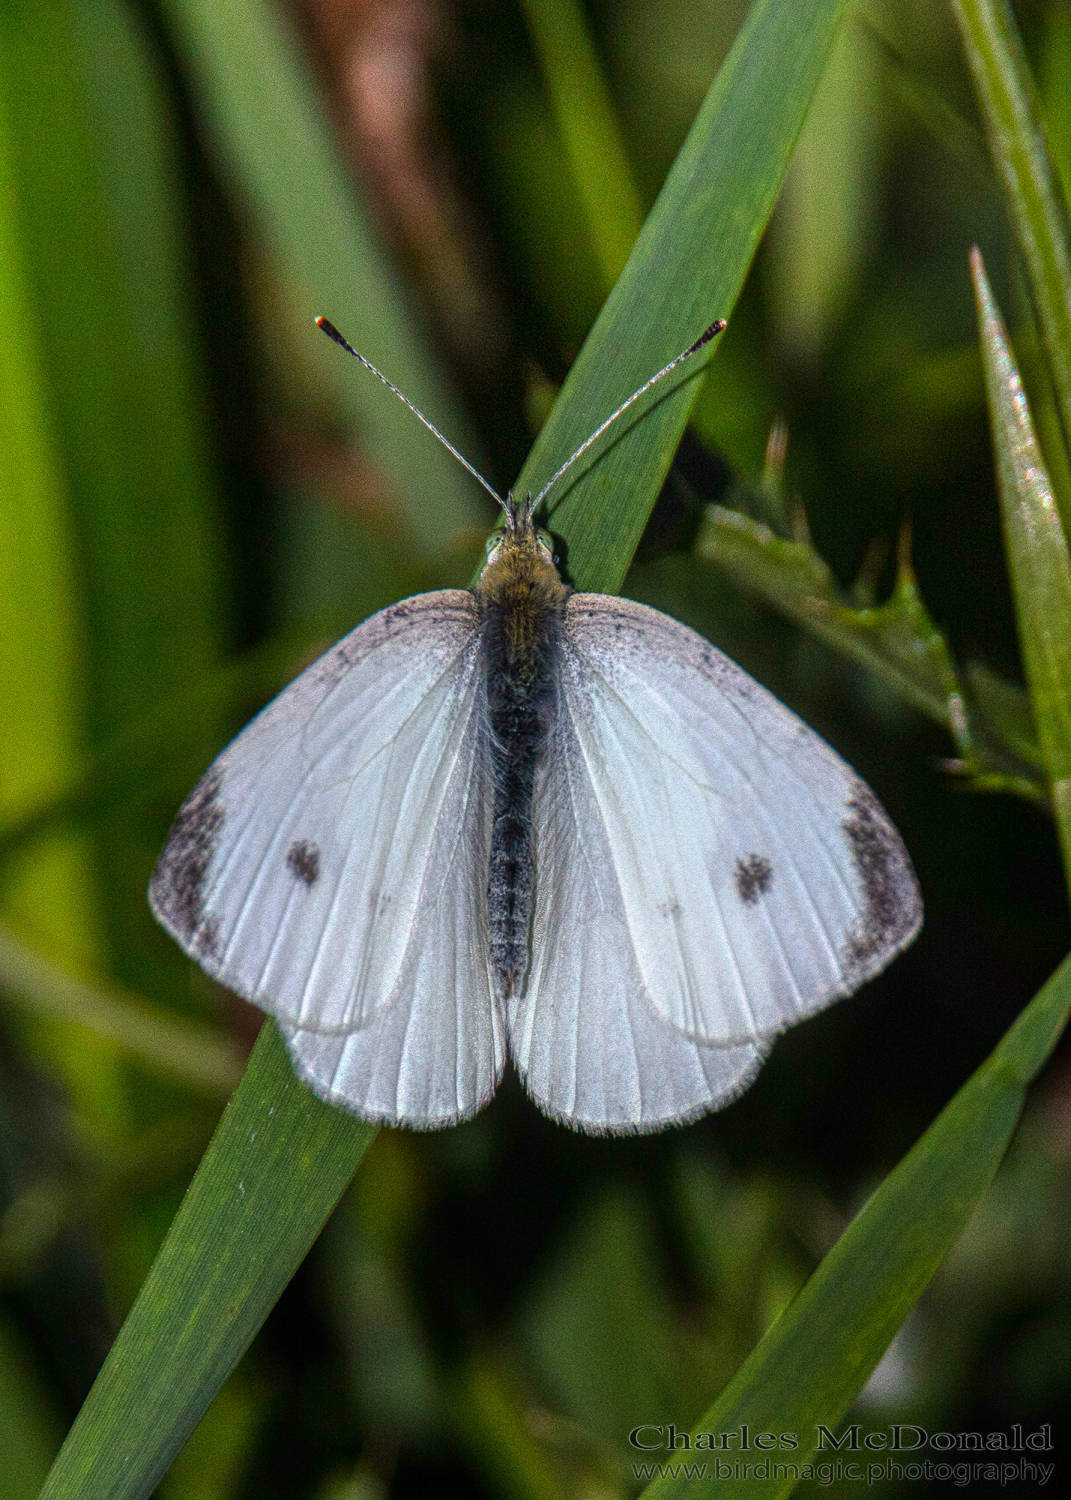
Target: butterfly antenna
<point x="704" y="338"/>
<point x="333" y="333"/>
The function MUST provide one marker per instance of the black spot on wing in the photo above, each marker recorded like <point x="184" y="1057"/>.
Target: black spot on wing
<point x="178" y="883"/>
<point x="891" y="905"/>
<point x="303" y="861"/>
<point x="753" y="877"/>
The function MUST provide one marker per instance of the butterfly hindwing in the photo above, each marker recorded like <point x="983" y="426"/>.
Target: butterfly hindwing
<point x="434" y="1053"/>
<point x="586" y="1039"/>
<point x="759" y="877"/>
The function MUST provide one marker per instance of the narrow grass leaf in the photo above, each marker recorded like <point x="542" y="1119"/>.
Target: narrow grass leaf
<point x="1038" y="557"/>
<point x="1012" y="117"/>
<point x="119" y="357"/>
<point x="813" y="1362"/>
<point x="956" y="134"/>
<point x="494" y="1425"/>
<point x="584" y="114"/>
<point x="28" y="1436"/>
<point x="277" y="1165"/>
<point x="149" y="755"/>
<point x="685" y="270"/>
<point x="41" y="661"/>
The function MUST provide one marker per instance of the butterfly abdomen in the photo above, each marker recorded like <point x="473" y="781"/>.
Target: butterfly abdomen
<point x="521" y="599"/>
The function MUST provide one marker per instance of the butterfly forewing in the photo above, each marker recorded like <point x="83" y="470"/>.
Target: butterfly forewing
<point x="327" y="867"/>
<point x="759" y="878"/>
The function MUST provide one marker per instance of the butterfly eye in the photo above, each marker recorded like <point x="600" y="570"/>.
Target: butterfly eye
<point x="546" y="541"/>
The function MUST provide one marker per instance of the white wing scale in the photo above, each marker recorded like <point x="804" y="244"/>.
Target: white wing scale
<point x="331" y="867"/>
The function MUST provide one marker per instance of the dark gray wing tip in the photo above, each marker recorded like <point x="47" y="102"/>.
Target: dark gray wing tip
<point x="892" y="901"/>
<point x="176" y="891"/>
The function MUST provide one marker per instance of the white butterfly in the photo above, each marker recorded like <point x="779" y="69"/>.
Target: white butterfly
<point x="522" y="821"/>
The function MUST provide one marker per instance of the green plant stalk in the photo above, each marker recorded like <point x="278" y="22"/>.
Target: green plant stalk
<point x="897" y="641"/>
<point x="815" y="1359"/>
<point x="1016" y="134"/>
<point x="1038" y="557"/>
<point x="279" y="1156"/>
<point x="584" y="114"/>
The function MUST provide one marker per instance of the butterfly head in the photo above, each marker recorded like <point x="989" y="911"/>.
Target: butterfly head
<point x="519" y="536"/>
<point x="520" y="550"/>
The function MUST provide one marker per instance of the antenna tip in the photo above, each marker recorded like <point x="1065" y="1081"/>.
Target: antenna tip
<point x="332" y="332"/>
<point x="718" y="326"/>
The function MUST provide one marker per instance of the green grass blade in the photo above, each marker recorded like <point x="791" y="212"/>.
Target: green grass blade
<point x="814" y="1361"/>
<point x="41" y="665"/>
<point x="113" y="306"/>
<point x="958" y="135"/>
<point x="584" y="114"/>
<point x="277" y="1165"/>
<point x="1017" y="140"/>
<point x="260" y="106"/>
<point x="153" y="754"/>
<point x="119" y="358"/>
<point x="686" y="269"/>
<point x="1038" y="557"/>
<point x="495" y="1426"/>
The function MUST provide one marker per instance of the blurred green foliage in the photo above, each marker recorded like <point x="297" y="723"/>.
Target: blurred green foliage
<point x="197" y="495"/>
